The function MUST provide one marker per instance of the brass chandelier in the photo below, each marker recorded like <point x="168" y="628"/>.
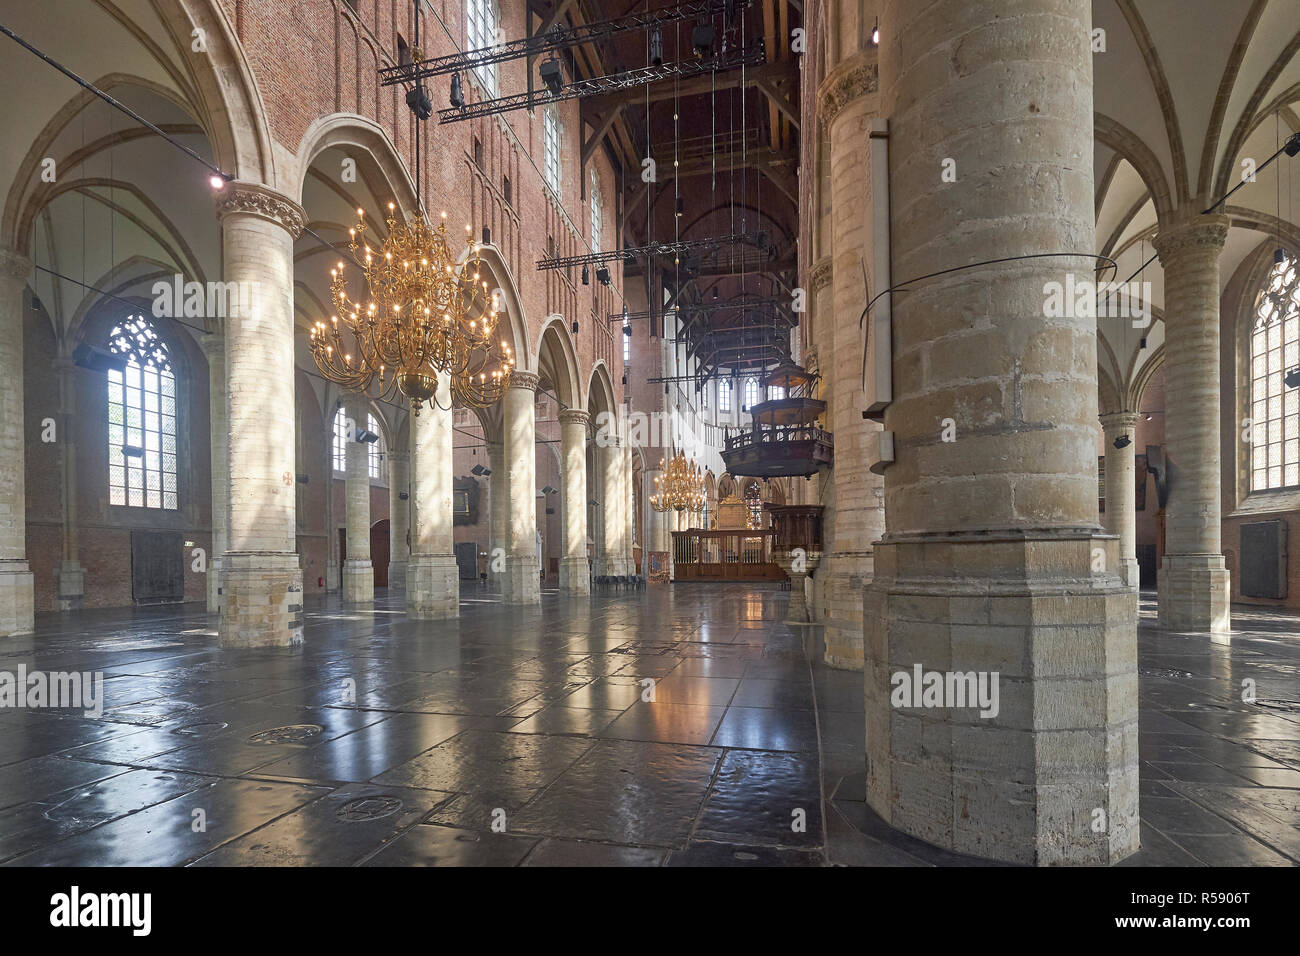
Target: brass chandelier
<point x="680" y="487"/>
<point x="426" y="314"/>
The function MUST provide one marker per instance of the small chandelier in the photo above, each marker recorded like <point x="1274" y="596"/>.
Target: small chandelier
<point x="427" y="314"/>
<point x="680" y="487"/>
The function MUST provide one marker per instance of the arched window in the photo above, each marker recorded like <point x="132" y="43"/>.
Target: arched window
<point x="595" y="211"/>
<point x="481" y="31"/>
<point x="751" y="394"/>
<point x="1275" y="409"/>
<point x="374" y="450"/>
<point x="551" y="147"/>
<point x="141" y="419"/>
<point x="374" y="453"/>
<point x="341" y="437"/>
<point x="724" y="395"/>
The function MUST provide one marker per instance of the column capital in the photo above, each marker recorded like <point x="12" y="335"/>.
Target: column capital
<point x="252" y="199"/>
<point x="1202" y="234"/>
<point x="399" y="457"/>
<point x="574" y="416"/>
<point x="1118" y="420"/>
<point x="524" y="380"/>
<point x="855" y="77"/>
<point x="14" y="266"/>
<point x="819" y="276"/>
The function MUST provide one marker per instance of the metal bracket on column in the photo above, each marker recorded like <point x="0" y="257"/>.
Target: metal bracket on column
<point x="878" y="348"/>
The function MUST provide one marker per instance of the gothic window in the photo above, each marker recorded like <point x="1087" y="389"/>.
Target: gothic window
<point x="751" y="394"/>
<point x="724" y="395"/>
<point x="595" y="212"/>
<point x="551" y="147"/>
<point x="481" y="20"/>
<point x="141" y="419"/>
<point x="1275" y="408"/>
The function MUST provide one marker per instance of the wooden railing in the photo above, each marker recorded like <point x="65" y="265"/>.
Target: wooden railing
<point x="724" y="556"/>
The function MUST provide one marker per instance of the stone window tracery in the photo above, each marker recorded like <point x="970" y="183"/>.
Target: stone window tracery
<point x="481" y="30"/>
<point x="1275" y="408"/>
<point x="141" y="419"/>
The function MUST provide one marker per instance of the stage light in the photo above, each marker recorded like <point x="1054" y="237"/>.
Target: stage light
<point x="457" y="94"/>
<point x="551" y="75"/>
<point x="419" y="102"/>
<point x="656" y="49"/>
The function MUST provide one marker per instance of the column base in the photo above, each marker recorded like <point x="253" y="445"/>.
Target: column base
<point x="358" y="582"/>
<point x="397" y="575"/>
<point x="17" y="599"/>
<point x="521" y="583"/>
<point x="843" y="575"/>
<point x="432" y="587"/>
<point x="70" y="585"/>
<point x="331" y="577"/>
<point x="611" y="566"/>
<point x="213" y="585"/>
<point x="261" y="595"/>
<point x="1044" y="768"/>
<point x="1194" y="591"/>
<point x="575" y="576"/>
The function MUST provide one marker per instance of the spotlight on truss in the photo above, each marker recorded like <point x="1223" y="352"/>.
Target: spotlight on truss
<point x="552" y="76"/>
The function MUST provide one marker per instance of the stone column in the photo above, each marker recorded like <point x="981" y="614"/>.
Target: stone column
<point x="17" y="601"/>
<point x="261" y="579"/>
<point x="498" y="514"/>
<point x="575" y="576"/>
<point x="214" y="347"/>
<point x="399" y="518"/>
<point x="332" y="570"/>
<point x="994" y="575"/>
<point x="521" y="584"/>
<point x="1193" y="583"/>
<point x="1120" y="518"/>
<point x="629" y="511"/>
<point x="611" y="560"/>
<point x="432" y="577"/>
<point x="848" y="101"/>
<point x="70" y="576"/>
<point x="358" y="570"/>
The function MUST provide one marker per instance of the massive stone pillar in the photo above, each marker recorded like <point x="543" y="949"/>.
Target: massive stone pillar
<point x="609" y="547"/>
<point x="498" y="514"/>
<point x="16" y="582"/>
<point x="432" y="577"/>
<point x="994" y="576"/>
<point x="521" y="584"/>
<point x="1193" y="582"/>
<point x="214" y="347"/>
<point x="333" y="569"/>
<point x="261" y="580"/>
<point x="629" y="512"/>
<point x="70" y="576"/>
<point x="848" y="101"/>
<point x="399" y="518"/>
<point x="358" y="570"/>
<point x="1121" y="490"/>
<point x="575" y="575"/>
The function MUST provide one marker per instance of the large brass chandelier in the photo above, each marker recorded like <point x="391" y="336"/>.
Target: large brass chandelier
<point x="426" y="314"/>
<point x="680" y="487"/>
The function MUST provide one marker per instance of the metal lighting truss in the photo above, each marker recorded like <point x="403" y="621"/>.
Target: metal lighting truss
<point x="753" y="55"/>
<point x="559" y="37"/>
<point x="629" y="254"/>
<point x="707" y="309"/>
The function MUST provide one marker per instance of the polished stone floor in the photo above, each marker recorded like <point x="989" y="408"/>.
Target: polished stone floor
<point x="523" y="737"/>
